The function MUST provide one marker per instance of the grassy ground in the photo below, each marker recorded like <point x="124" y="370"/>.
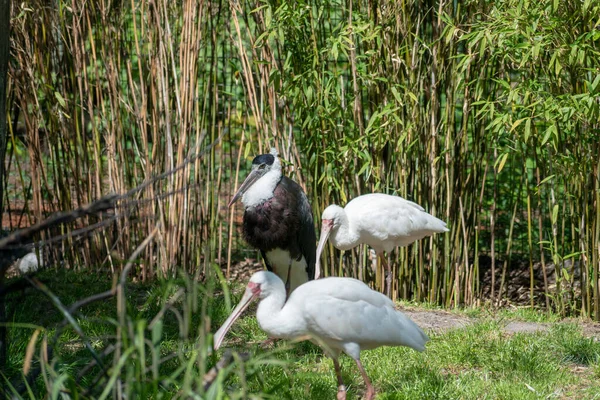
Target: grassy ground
<point x="480" y="359"/>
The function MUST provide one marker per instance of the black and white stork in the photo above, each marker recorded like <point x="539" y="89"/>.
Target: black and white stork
<point x="278" y="221"/>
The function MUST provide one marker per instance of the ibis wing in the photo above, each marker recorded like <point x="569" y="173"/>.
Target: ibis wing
<point x="343" y="289"/>
<point x="385" y="217"/>
<point x="362" y="323"/>
<point x="373" y="201"/>
<point x="345" y="310"/>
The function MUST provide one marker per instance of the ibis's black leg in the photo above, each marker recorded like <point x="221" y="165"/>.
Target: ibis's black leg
<point x="388" y="275"/>
<point x="341" y="394"/>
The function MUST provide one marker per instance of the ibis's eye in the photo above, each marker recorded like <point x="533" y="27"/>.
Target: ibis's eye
<point x="261" y="166"/>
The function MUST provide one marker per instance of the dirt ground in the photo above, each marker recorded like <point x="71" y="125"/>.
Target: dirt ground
<point x="441" y="321"/>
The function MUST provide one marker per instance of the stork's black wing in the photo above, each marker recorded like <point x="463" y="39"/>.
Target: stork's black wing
<point x="305" y="237"/>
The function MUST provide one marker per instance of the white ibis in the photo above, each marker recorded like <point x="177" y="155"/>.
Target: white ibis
<point x="339" y="314"/>
<point x="278" y="221"/>
<point x="379" y="220"/>
<point x="31" y="262"/>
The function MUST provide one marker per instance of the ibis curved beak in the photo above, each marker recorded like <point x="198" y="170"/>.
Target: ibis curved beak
<point x="326" y="226"/>
<point x="248" y="182"/>
<point x="252" y="292"/>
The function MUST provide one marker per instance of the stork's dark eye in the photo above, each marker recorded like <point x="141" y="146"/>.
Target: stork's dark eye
<point x="261" y="166"/>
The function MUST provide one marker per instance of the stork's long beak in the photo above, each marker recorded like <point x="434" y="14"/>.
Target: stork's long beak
<point x="250" y="179"/>
<point x="252" y="292"/>
<point x="326" y="226"/>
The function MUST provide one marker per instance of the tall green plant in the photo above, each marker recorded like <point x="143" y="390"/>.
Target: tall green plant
<point x="485" y="113"/>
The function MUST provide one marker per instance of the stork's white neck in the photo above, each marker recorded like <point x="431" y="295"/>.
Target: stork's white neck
<point x="342" y="235"/>
<point x="277" y="320"/>
<point x="263" y="188"/>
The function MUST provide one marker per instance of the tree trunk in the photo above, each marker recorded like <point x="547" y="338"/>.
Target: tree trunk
<point x="4" y="53"/>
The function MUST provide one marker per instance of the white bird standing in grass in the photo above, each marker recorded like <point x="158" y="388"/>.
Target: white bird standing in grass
<point x="339" y="314"/>
<point x="379" y="220"/>
<point x="31" y="262"/>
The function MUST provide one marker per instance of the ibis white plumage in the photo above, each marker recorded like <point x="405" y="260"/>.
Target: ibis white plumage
<point x="381" y="221"/>
<point x="340" y="314"/>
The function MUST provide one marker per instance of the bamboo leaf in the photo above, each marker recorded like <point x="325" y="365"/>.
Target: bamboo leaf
<point x="260" y="38"/>
<point x="372" y="120"/>
<point x="60" y="99"/>
<point x="536" y="50"/>
<point x="247" y="149"/>
<point x="517" y="123"/>
<point x="572" y="255"/>
<point x="364" y="168"/>
<point x="594" y="84"/>
<point x="547" y="134"/>
<point x="503" y="83"/>
<point x="554" y="214"/>
<point x="334" y="51"/>
<point x="450" y="34"/>
<point x="239" y="110"/>
<point x="399" y="98"/>
<point x="546" y="179"/>
<point x="557" y="66"/>
<point x="500" y="162"/>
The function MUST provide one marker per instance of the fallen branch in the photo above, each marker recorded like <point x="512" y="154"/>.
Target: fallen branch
<point x="225" y="360"/>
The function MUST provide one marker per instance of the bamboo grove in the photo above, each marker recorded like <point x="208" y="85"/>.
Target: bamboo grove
<point x="486" y="113"/>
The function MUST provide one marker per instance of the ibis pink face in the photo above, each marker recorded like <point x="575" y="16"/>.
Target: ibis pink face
<point x="326" y="227"/>
<point x="253" y="291"/>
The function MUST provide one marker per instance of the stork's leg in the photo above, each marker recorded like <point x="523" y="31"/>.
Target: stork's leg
<point x="388" y="275"/>
<point x="341" y="394"/>
<point x="370" y="389"/>
<point x="270" y="342"/>
<point x="287" y="280"/>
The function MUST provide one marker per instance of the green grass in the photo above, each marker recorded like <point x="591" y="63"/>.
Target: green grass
<point x="479" y="361"/>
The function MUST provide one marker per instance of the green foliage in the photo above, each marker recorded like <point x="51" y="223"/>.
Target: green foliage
<point x="576" y="348"/>
<point x="478" y="361"/>
<point x="154" y="355"/>
<point x="485" y="113"/>
<point x="154" y="345"/>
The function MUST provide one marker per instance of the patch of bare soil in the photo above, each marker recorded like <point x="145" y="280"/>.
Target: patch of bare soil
<point x="525" y="327"/>
<point x="243" y="270"/>
<point x="442" y="321"/>
<point x="512" y="280"/>
<point x="437" y="320"/>
<point x="589" y="328"/>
